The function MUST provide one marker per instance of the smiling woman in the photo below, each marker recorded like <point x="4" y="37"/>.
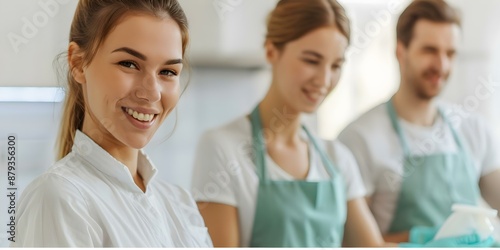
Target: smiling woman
<point x="125" y="60"/>
<point x="136" y="74"/>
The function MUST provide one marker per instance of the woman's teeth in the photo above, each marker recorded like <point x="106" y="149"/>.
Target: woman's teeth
<point x="140" y="116"/>
<point x="313" y="95"/>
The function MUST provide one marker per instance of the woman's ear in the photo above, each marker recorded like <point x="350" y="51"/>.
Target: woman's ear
<point x="272" y="53"/>
<point x="75" y="61"/>
<point x="400" y="51"/>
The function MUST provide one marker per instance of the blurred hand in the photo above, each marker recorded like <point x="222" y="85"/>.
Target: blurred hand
<point x="471" y="240"/>
<point x="422" y="234"/>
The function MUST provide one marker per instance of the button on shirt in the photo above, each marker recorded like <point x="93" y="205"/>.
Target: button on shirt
<point x="89" y="199"/>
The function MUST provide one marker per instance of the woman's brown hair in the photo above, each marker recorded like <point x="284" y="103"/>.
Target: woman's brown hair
<point x="292" y="19"/>
<point x="92" y="23"/>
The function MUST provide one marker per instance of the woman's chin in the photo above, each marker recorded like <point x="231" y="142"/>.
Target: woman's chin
<point x="138" y="144"/>
<point x="308" y="109"/>
<point x="136" y="141"/>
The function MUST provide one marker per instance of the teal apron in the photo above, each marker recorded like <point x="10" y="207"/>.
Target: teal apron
<point x="431" y="184"/>
<point x="296" y="213"/>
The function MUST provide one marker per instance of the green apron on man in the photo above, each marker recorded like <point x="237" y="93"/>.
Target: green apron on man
<point x="432" y="183"/>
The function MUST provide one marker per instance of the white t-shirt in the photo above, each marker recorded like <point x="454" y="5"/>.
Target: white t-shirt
<point x="224" y="172"/>
<point x="378" y="151"/>
<point x="89" y="199"/>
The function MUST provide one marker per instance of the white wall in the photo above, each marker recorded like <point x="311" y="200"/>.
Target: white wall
<point x="32" y="33"/>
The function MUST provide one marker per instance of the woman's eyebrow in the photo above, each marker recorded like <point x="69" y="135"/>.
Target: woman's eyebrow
<point x="313" y="53"/>
<point x="143" y="57"/>
<point x="131" y="52"/>
<point x="174" y="61"/>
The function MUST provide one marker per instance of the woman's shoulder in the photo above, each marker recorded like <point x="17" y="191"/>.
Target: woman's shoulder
<point x="49" y="191"/>
<point x="340" y="153"/>
<point x="73" y="170"/>
<point x="61" y="180"/>
<point x="50" y="181"/>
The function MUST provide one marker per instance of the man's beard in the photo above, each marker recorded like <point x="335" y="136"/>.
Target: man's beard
<point x="421" y="89"/>
<point x="423" y="94"/>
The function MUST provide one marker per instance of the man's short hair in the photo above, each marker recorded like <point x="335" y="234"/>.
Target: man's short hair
<point x="432" y="10"/>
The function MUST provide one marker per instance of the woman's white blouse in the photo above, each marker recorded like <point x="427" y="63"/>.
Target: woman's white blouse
<point x="89" y="199"/>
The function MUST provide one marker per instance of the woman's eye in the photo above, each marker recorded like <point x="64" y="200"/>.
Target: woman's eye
<point x="168" y="72"/>
<point x="312" y="62"/>
<point x="128" y="64"/>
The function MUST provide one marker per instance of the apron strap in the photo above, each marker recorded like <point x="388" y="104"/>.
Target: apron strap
<point x="259" y="148"/>
<point x="324" y="158"/>
<point x="258" y="145"/>
<point x="395" y="124"/>
<point x="458" y="139"/>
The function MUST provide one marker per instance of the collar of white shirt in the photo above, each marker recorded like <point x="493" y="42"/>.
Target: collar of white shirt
<point x="100" y="159"/>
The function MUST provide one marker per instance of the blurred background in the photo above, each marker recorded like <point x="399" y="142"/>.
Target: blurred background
<point x="228" y="76"/>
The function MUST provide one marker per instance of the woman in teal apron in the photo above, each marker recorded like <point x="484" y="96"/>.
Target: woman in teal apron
<point x="253" y="177"/>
